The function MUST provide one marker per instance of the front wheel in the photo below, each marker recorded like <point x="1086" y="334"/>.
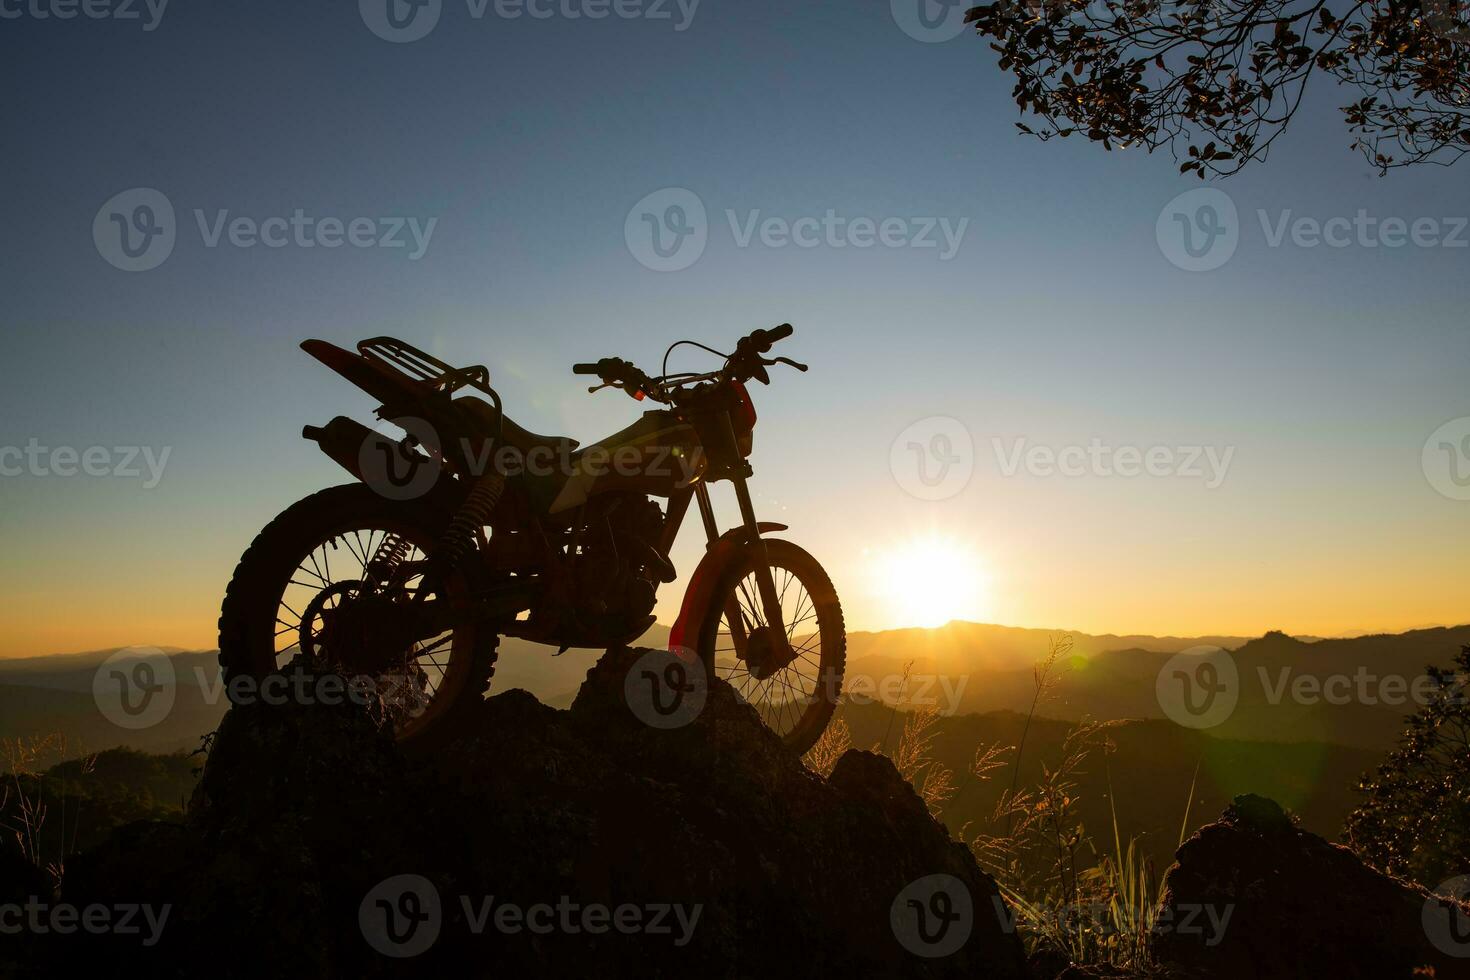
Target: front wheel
<point x="795" y="686"/>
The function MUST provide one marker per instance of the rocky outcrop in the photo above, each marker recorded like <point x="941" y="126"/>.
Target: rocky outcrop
<point x="1252" y="895"/>
<point x="542" y="843"/>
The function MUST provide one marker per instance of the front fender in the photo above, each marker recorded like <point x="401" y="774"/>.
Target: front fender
<point x="720" y="554"/>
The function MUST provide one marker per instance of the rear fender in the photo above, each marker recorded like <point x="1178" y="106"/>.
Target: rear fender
<point x="462" y="443"/>
<point x="722" y="553"/>
<point x="385" y="384"/>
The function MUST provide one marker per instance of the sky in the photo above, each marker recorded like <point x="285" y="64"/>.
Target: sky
<point x="999" y="330"/>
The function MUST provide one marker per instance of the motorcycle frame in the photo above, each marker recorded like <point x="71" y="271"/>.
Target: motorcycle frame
<point x="388" y="369"/>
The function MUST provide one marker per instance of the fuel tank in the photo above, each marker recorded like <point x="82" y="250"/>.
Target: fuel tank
<point x="657" y="455"/>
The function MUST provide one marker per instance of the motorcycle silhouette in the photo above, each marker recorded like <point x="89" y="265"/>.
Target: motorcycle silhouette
<point x="470" y="528"/>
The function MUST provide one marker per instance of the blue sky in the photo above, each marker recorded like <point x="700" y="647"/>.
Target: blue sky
<point x="527" y="142"/>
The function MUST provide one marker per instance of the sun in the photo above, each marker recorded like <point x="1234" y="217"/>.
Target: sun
<point x="930" y="581"/>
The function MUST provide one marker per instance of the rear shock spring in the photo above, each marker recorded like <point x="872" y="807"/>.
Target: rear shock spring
<point x="386" y="559"/>
<point x="473" y="515"/>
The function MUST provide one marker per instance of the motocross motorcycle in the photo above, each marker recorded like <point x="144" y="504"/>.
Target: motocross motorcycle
<point x="470" y="528"/>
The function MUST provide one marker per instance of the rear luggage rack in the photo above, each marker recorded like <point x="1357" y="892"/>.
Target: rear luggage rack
<point x="425" y="368"/>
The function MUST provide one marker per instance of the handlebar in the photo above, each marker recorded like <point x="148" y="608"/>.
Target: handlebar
<point x="746" y="363"/>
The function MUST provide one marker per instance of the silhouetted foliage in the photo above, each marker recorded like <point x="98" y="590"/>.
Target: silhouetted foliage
<point x="1416" y="820"/>
<point x="1219" y="80"/>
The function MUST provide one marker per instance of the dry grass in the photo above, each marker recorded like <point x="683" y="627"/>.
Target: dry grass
<point x="24" y="805"/>
<point x="933" y="782"/>
<point x="822" y="757"/>
<point x="1094" y="906"/>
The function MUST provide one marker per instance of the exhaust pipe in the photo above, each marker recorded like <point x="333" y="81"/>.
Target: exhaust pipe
<point x="343" y="440"/>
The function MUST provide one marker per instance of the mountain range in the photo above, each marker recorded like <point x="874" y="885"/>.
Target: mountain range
<point x="963" y="668"/>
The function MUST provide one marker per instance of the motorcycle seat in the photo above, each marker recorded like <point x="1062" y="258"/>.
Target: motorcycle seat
<point x="513" y="434"/>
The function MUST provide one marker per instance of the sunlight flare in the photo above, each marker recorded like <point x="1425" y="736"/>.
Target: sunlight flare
<point x="931" y="581"/>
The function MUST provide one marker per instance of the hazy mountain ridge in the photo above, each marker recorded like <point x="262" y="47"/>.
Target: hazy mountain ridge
<point x="966" y="668"/>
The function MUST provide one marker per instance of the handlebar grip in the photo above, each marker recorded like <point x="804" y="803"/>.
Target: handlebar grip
<point x="584" y="369"/>
<point x="760" y="341"/>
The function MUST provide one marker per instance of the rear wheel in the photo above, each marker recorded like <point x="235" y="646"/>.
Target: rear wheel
<point x="337" y="576"/>
<point x="796" y="692"/>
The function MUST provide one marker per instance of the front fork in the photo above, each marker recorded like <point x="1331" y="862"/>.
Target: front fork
<point x="765" y="581"/>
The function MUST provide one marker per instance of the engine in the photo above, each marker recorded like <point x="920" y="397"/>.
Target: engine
<point x="618" y="567"/>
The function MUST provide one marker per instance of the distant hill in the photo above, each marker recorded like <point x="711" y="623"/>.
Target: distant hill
<point x="1100" y="681"/>
<point x="1150" y="773"/>
<point x="966" y="667"/>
